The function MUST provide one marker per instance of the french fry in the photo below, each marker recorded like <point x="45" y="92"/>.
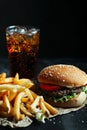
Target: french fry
<point x="26" y="111"/>
<point x="33" y="94"/>
<point x="3" y="76"/>
<point x="51" y="108"/>
<point x="35" y="104"/>
<point x="28" y="97"/>
<point x="28" y="92"/>
<point x="11" y="87"/>
<point x="25" y="99"/>
<point x="22" y="116"/>
<point x="23" y="82"/>
<point x="43" y="107"/>
<point x="4" y="80"/>
<point x="3" y="92"/>
<point x="16" y="78"/>
<point x="17" y="100"/>
<point x="7" y="103"/>
<point x="17" y="105"/>
<point x="12" y="95"/>
<point x="28" y="105"/>
<point x="8" y="80"/>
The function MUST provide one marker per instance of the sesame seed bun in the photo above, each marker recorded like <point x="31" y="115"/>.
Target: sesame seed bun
<point x="63" y="75"/>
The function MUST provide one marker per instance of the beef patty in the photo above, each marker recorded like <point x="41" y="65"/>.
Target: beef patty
<point x="63" y="92"/>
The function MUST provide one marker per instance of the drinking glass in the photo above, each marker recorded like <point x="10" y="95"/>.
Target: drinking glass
<point x="23" y="45"/>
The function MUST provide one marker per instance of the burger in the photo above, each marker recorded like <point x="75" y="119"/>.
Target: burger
<point x="63" y="85"/>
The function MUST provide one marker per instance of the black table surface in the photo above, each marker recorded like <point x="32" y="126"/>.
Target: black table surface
<point x="72" y="121"/>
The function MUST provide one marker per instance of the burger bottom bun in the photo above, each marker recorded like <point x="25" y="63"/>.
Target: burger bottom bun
<point x="74" y="102"/>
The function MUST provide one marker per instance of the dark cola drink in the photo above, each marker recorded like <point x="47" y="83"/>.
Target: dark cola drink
<point x="23" y="45"/>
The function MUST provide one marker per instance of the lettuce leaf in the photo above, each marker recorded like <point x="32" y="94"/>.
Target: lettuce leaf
<point x="67" y="97"/>
<point x="64" y="98"/>
<point x="84" y="89"/>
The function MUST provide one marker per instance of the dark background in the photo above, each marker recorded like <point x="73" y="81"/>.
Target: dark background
<point x="62" y="25"/>
<point x="63" y="33"/>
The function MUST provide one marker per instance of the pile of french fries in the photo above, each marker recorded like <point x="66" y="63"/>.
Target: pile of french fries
<point x="17" y="100"/>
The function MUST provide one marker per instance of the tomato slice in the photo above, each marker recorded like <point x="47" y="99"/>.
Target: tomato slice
<point x="49" y="87"/>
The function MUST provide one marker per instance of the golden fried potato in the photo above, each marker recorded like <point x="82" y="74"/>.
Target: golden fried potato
<point x="17" y="100"/>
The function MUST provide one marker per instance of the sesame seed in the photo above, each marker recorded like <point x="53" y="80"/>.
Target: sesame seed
<point x="51" y="75"/>
<point x="57" y="76"/>
<point x="63" y="80"/>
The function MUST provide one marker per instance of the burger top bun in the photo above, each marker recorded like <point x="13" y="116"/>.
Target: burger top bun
<point x="63" y="75"/>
